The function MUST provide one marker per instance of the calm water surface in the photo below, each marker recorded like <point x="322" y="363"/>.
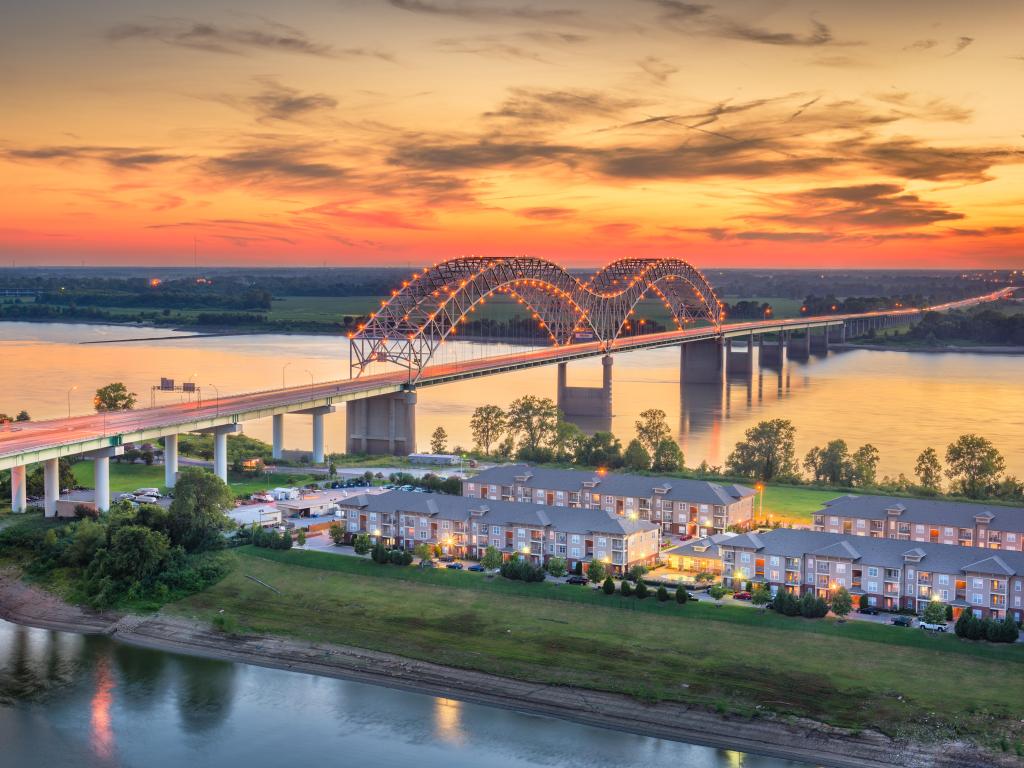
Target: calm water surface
<point x="68" y="700"/>
<point x="901" y="402"/>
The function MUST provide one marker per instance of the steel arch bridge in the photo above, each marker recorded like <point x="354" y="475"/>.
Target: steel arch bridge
<point x="429" y="306"/>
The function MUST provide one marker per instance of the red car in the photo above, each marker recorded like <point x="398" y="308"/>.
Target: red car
<point x="740" y="595"/>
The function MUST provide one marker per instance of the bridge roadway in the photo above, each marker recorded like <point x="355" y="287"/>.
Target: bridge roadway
<point x="101" y="435"/>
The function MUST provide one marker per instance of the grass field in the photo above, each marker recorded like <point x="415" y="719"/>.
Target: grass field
<point x="791" y="504"/>
<point x="127" y="477"/>
<point x="857" y="675"/>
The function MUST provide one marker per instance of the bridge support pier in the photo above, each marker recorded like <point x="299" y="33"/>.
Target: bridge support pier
<point x="51" y="487"/>
<point x="772" y="351"/>
<point x="819" y="341"/>
<point x="800" y="347"/>
<point x="740" y="360"/>
<point x="702" y="362"/>
<point x="837" y="333"/>
<point x="18" y="495"/>
<point x="170" y="460"/>
<point x="586" y="401"/>
<point x="385" y="424"/>
<point x="101" y="474"/>
<point x="318" y="430"/>
<point x="220" y="447"/>
<point x="278" y="440"/>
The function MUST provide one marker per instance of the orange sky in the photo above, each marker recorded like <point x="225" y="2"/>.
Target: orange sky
<point x="406" y="131"/>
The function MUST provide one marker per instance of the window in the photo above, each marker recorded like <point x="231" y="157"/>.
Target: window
<point x="910" y="574"/>
<point x="574" y="539"/>
<point x="944" y="594"/>
<point x="774" y="560"/>
<point x="860" y="523"/>
<point x="521" y="533"/>
<point x="948" y="532"/>
<point x="833" y="521"/>
<point x="745" y="557"/>
<point x="574" y="552"/>
<point x="1011" y="537"/>
<point x="978" y="583"/>
<point x="872" y="586"/>
<point x="602" y="541"/>
<point x="943" y="578"/>
<point x="840" y="567"/>
<point x="1016" y="587"/>
<point x="975" y="598"/>
<point x="872" y="571"/>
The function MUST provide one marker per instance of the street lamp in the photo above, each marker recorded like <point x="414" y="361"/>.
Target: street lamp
<point x="69" y="399"/>
<point x="310" y="381"/>
<point x="760" y="499"/>
<point x="217" y="390"/>
<point x="283" y="368"/>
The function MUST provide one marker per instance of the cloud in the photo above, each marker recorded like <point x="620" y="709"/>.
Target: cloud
<point x="481" y="12"/>
<point x="820" y="34"/>
<point x="543" y="106"/>
<point x="374" y="219"/>
<point x="275" y="165"/>
<point x="986" y="231"/>
<point x="859" y="207"/>
<point x="677" y="10"/>
<point x="270" y="37"/>
<point x="476" y="154"/>
<point x="961" y="43"/>
<point x="489" y="46"/>
<point x="701" y="19"/>
<point x="131" y="158"/>
<point x="659" y="70"/>
<point x="280" y="102"/>
<point x="921" y="45"/>
<point x="909" y="158"/>
<point x="547" y="213"/>
<point x="932" y="109"/>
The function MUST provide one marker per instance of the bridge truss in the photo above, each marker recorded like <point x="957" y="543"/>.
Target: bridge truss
<point x="429" y="307"/>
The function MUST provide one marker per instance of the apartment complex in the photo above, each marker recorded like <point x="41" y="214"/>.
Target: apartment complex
<point x="924" y="520"/>
<point x="697" y="555"/>
<point x="466" y="526"/>
<point x="893" y="574"/>
<point x="677" y="506"/>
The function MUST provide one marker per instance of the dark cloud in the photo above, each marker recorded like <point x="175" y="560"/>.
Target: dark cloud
<point x="961" y="43"/>
<point x="921" y="45"/>
<point x="547" y="213"/>
<point x="281" y="102"/>
<point x="909" y="158"/>
<point x="491" y="47"/>
<point x="677" y="10"/>
<point x="659" y="70"/>
<point x="116" y="157"/>
<point x="477" y="154"/>
<point x="543" y="106"/>
<point x="860" y="207"/>
<point x="274" y="165"/>
<point x="483" y="12"/>
<point x="820" y="34"/>
<point x="803" y="108"/>
<point x="987" y="231"/>
<point x="212" y="38"/>
<point x="906" y="105"/>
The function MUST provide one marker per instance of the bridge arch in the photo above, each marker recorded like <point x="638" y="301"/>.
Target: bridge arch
<point x="428" y="307"/>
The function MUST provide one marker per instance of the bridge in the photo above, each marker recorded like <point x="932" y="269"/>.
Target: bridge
<point x="583" y="320"/>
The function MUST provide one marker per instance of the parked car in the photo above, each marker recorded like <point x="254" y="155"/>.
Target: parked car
<point x="476" y="567"/>
<point x="868" y="610"/>
<point x="740" y="595"/>
<point x="577" y="580"/>
<point x="405" y="488"/>
<point x="447" y="558"/>
<point x="454" y="566"/>
<point x="428" y="564"/>
<point x="933" y="627"/>
<point x="903" y="621"/>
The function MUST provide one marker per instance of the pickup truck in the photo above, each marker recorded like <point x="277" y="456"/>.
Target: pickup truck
<point x="903" y="621"/>
<point x="932" y="627"/>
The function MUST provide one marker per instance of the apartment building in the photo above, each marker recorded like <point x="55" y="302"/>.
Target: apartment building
<point x="924" y="520"/>
<point x="697" y="555"/>
<point x="678" y="506"/>
<point x="466" y="526"/>
<point x="893" y="574"/>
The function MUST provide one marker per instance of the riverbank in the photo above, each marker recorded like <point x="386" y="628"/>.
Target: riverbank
<point x="767" y="734"/>
<point x="977" y="350"/>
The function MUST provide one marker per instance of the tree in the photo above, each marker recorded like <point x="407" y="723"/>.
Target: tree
<point x="662" y="594"/>
<point x="609" y="586"/>
<point x="718" y="592"/>
<point x="637" y="572"/>
<point x="196" y="516"/>
<point x="379" y="553"/>
<point x="361" y="544"/>
<point x="114" y="397"/>
<point x="934" y="612"/>
<point x="651" y="429"/>
<point x="301" y="538"/>
<point x="337" y="534"/>
<point x="974" y="466"/>
<point x="760" y="597"/>
<point x="439" y="441"/>
<point x="636" y="457"/>
<point x="596" y="571"/>
<point x="332" y="469"/>
<point x="864" y="465"/>
<point x="625" y="588"/>
<point x="641" y="590"/>
<point x="492" y="558"/>
<point x="602" y="449"/>
<point x="567" y="443"/>
<point x="842" y="603"/>
<point x="423" y="550"/>
<point x="767" y="451"/>
<point x="487" y="425"/>
<point x="668" y="457"/>
<point x="556" y="566"/>
<point x="88" y="538"/>
<point x="831" y="464"/>
<point x="531" y="420"/>
<point x="135" y="553"/>
<point x="929" y="470"/>
<point x="23" y="416"/>
<point x="681" y="595"/>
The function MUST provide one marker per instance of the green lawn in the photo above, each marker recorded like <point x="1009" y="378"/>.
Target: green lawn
<point x="792" y="504"/>
<point x="127" y="477"/>
<point x="857" y="675"/>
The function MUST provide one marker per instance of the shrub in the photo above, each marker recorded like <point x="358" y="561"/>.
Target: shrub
<point x="556" y="566"/>
<point x="361" y="543"/>
<point x="625" y="589"/>
<point x="641" y="590"/>
<point x="681" y="596"/>
<point x="518" y="569"/>
<point x="379" y="553"/>
<point x="596" y="570"/>
<point x="662" y="594"/>
<point x="637" y="572"/>
<point x="608" y="586"/>
<point x="337" y="533"/>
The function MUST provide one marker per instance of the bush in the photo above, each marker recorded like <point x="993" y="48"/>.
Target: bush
<point x="625" y="589"/>
<point x="812" y="606"/>
<point x="786" y="603"/>
<point x="637" y="572"/>
<point x="681" y="596"/>
<point x="608" y="586"/>
<point x="595" y="570"/>
<point x="379" y="553"/>
<point x="361" y="543"/>
<point x="662" y="594"/>
<point x="556" y="566"/>
<point x="641" y="590"/>
<point x="518" y="569"/>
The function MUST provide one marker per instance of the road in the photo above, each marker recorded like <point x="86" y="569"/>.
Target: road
<point x="17" y="438"/>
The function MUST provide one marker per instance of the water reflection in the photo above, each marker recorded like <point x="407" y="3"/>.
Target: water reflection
<point x="235" y="714"/>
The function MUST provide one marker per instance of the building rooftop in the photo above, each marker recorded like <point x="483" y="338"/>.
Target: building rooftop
<point x="958" y="514"/>
<point x="703" y="547"/>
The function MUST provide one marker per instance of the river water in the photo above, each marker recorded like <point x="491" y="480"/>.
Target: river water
<point x="899" y="401"/>
<point x="66" y="699"/>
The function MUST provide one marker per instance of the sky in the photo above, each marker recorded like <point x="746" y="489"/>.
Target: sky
<point x="361" y="132"/>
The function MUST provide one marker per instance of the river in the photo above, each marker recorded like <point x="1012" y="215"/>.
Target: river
<point x="901" y="402"/>
<point x="67" y="699"/>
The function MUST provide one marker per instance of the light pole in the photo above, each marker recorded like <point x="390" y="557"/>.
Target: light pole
<point x="310" y="381"/>
<point x="217" y="390"/>
<point x="69" y="399"/>
<point x="283" y="368"/>
<point x="760" y="500"/>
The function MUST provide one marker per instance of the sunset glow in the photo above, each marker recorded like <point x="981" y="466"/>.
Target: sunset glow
<point x="406" y="131"/>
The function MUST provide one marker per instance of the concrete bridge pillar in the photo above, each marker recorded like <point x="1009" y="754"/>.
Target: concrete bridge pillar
<point x="740" y="360"/>
<point x="51" y="487"/>
<point x="101" y="474"/>
<point x="837" y="333"/>
<point x="220" y="447"/>
<point x="18" y="495"/>
<point x="702" y="362"/>
<point x="773" y="350"/>
<point x="318" y="430"/>
<point x="819" y="341"/>
<point x="586" y="401"/>
<point x="385" y="424"/>
<point x="278" y="443"/>
<point x="800" y="347"/>
<point x="170" y="460"/>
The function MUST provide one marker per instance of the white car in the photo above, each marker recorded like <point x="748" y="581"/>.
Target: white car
<point x="932" y="627"/>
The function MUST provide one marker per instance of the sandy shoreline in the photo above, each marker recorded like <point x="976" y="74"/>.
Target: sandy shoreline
<point x="786" y="738"/>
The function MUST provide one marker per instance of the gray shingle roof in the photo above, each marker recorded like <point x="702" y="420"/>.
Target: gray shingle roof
<point x="693" y="547"/>
<point x="890" y="553"/>
<point x="616" y="484"/>
<point x="959" y="514"/>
